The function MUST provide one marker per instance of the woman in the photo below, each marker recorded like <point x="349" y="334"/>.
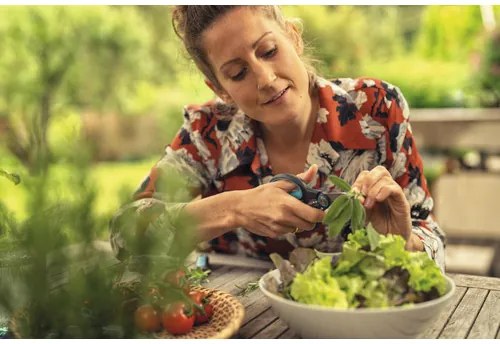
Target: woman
<point x="274" y="115"/>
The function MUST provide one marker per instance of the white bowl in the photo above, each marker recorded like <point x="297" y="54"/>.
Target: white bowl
<point x="311" y="321"/>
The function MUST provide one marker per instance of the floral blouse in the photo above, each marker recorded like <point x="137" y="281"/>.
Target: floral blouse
<point x="361" y="123"/>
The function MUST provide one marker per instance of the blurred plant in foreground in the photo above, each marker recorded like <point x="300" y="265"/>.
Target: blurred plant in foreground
<point x="57" y="282"/>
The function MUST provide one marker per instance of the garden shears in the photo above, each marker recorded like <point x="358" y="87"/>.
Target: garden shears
<point x="306" y="194"/>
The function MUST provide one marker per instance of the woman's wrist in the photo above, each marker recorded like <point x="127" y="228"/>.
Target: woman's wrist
<point x="216" y="214"/>
<point x="234" y="208"/>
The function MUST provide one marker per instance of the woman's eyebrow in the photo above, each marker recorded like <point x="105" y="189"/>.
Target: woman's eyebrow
<point x="253" y="47"/>
<point x="260" y="38"/>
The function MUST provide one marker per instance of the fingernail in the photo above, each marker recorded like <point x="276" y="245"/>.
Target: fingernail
<point x="369" y="202"/>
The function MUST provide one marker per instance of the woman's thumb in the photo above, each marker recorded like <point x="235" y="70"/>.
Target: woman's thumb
<point x="308" y="175"/>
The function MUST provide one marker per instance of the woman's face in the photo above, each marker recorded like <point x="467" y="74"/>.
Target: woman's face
<point x="258" y="67"/>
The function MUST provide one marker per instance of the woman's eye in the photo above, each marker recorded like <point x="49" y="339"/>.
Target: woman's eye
<point x="240" y="75"/>
<point x="270" y="53"/>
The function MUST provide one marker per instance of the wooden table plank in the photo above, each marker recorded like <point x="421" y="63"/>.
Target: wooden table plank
<point x="288" y="334"/>
<point x="471" y="281"/>
<point x="274" y="330"/>
<point x="464" y="316"/>
<point x="257" y="324"/>
<point x="256" y="308"/>
<point x="222" y="279"/>
<point x="218" y="277"/>
<point x="436" y="327"/>
<point x="487" y="323"/>
<point x="472" y="313"/>
<point x="234" y="286"/>
<point x="250" y="298"/>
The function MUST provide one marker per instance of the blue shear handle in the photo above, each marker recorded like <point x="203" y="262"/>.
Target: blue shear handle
<point x="297" y="192"/>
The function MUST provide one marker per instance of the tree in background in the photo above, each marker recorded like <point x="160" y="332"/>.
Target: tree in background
<point x="56" y="57"/>
<point x="67" y="62"/>
<point x="343" y="38"/>
<point x="449" y="32"/>
<point x="488" y="76"/>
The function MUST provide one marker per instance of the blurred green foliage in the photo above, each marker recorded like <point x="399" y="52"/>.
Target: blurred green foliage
<point x="58" y="63"/>
<point x="57" y="281"/>
<point x="486" y="82"/>
<point x="62" y="61"/>
<point x="449" y="33"/>
<point x="114" y="183"/>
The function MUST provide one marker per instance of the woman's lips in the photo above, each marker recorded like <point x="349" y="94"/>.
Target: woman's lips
<point x="277" y="97"/>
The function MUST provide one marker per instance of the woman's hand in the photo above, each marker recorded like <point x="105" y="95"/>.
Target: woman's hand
<point x="269" y="210"/>
<point x="386" y="205"/>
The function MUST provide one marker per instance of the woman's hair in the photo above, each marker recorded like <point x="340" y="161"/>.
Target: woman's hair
<point x="190" y="21"/>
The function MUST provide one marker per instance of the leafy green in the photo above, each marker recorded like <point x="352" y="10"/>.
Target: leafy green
<point x="373" y="237"/>
<point x="325" y="289"/>
<point x="335" y="208"/>
<point x="343" y="216"/>
<point x="344" y="209"/>
<point x="340" y="183"/>
<point x="301" y="257"/>
<point x="373" y="270"/>
<point x="358" y="216"/>
<point x="197" y="276"/>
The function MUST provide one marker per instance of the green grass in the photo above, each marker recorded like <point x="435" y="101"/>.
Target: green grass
<point x="112" y="180"/>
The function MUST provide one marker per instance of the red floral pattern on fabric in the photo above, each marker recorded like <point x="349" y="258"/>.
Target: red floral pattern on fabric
<point x="361" y="123"/>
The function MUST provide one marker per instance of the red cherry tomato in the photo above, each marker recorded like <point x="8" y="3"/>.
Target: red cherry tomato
<point x="203" y="308"/>
<point x="178" y="279"/>
<point x="147" y="318"/>
<point x="209" y="312"/>
<point x="177" y="319"/>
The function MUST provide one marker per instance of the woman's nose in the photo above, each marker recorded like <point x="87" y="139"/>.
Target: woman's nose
<point x="265" y="75"/>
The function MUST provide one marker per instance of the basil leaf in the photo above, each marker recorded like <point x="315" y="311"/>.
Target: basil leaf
<point x="340" y="183"/>
<point x="335" y="227"/>
<point x="335" y="209"/>
<point x="358" y="215"/>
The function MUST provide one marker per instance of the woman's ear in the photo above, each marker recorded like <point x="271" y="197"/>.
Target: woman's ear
<point x="219" y="92"/>
<point x="296" y="37"/>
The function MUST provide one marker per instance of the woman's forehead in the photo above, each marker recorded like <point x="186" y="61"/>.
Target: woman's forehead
<point x="239" y="29"/>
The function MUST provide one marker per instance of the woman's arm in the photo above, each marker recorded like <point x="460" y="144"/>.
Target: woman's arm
<point x="266" y="210"/>
<point x="164" y="219"/>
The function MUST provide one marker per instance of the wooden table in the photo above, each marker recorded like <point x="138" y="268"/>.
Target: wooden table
<point x="473" y="313"/>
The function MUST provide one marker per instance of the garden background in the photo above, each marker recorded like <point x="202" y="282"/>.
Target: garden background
<point x="107" y="84"/>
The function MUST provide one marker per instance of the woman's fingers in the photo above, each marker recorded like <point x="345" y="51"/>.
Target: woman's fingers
<point x="283" y="221"/>
<point x="369" y="183"/>
<point x="374" y="195"/>
<point x="262" y="229"/>
<point x="308" y="175"/>
<point x="272" y="211"/>
<point x="290" y="206"/>
<point x="386" y="205"/>
<point x="283" y="185"/>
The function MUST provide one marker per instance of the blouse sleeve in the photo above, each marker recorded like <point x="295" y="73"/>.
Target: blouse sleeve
<point x="406" y="167"/>
<point x="158" y="202"/>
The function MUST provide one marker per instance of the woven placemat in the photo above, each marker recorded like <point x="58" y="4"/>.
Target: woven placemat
<point x="227" y="318"/>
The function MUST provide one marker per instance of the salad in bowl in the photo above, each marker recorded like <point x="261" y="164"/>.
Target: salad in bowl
<point x="373" y="288"/>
